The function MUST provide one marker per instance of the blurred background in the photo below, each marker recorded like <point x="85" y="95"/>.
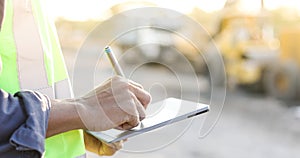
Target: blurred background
<point x="257" y="40"/>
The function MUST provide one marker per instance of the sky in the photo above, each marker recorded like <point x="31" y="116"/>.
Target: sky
<point x="99" y="9"/>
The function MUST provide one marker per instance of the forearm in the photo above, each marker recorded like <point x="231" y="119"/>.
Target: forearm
<point x="63" y="117"/>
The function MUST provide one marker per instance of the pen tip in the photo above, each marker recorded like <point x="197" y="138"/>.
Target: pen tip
<point x="107" y="49"/>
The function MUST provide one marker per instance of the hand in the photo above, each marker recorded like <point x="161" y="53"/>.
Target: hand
<point x="117" y="103"/>
<point x="96" y="146"/>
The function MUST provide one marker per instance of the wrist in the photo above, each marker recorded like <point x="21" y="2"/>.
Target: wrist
<point x="75" y="120"/>
<point x="75" y="103"/>
<point x="63" y="117"/>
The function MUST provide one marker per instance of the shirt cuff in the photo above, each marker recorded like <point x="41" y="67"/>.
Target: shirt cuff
<point x="31" y="134"/>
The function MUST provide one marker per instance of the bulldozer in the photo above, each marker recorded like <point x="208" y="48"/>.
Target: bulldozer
<point x="254" y="58"/>
<point x="247" y="47"/>
<point x="282" y="77"/>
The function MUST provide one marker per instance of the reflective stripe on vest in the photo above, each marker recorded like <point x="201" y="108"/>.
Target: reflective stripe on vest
<point x="30" y="54"/>
<point x="32" y="59"/>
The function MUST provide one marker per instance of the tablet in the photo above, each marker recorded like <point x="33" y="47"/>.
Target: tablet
<point x="159" y="114"/>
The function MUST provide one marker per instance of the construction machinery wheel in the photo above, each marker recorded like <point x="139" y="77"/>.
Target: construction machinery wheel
<point x="280" y="80"/>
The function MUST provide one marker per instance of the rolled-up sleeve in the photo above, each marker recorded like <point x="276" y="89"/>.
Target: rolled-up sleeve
<point x="24" y="121"/>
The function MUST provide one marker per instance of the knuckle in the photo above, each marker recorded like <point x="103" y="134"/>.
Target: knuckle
<point x="121" y="83"/>
<point x="127" y="85"/>
<point x="140" y="86"/>
<point x="137" y="84"/>
<point x="115" y="78"/>
<point x="132" y="95"/>
<point x="142" y="117"/>
<point x="135" y="118"/>
<point x="148" y="99"/>
<point x="124" y="84"/>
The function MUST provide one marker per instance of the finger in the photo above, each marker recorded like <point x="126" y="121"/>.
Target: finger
<point x="141" y="110"/>
<point x="110" y="149"/>
<point x="140" y="114"/>
<point x="92" y="144"/>
<point x="136" y="84"/>
<point x="127" y="126"/>
<point x="132" y="119"/>
<point x="143" y="96"/>
<point x="116" y="146"/>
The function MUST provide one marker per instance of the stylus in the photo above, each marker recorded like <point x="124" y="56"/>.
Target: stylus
<point x="116" y="66"/>
<point x="114" y="61"/>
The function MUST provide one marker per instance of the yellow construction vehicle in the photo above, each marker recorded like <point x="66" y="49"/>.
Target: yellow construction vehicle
<point x="247" y="45"/>
<point x="282" y="77"/>
<point x="257" y="59"/>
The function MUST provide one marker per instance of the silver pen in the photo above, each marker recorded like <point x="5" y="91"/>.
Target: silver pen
<point x="118" y="70"/>
<point x="114" y="61"/>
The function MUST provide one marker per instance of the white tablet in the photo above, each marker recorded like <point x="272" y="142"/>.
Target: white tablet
<point x="158" y="114"/>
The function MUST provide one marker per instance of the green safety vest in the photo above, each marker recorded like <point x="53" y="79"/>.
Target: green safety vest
<point x="32" y="59"/>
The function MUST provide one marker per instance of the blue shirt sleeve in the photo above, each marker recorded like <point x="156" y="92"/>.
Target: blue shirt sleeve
<point x="24" y="121"/>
